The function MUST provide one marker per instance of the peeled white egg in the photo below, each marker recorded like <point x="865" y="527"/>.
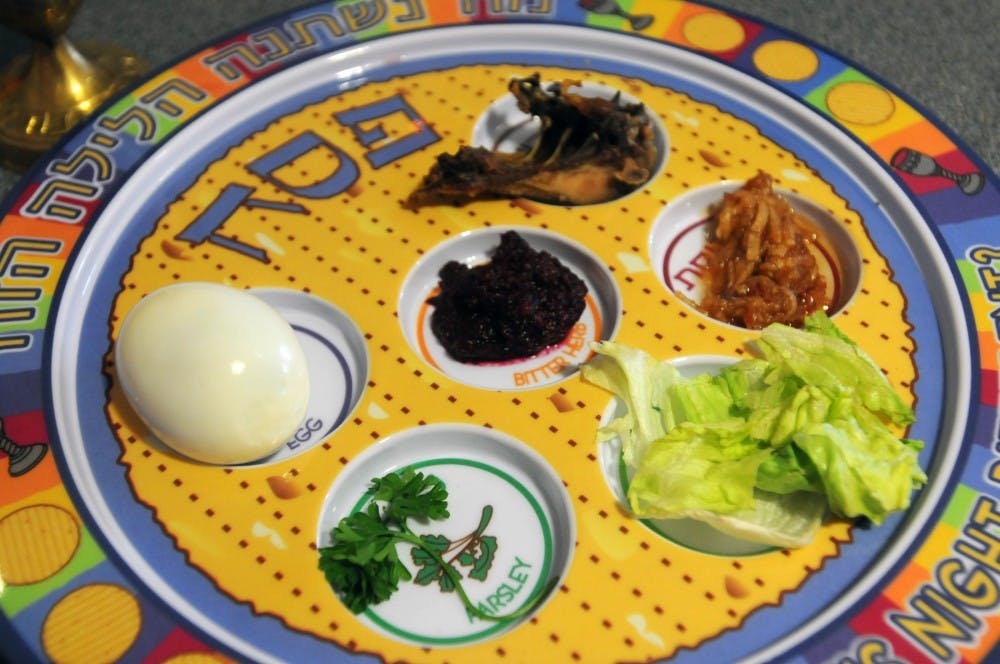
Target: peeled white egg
<point x="213" y="371"/>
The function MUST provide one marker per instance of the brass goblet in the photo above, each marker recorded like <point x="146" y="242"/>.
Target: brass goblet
<point x="47" y="92"/>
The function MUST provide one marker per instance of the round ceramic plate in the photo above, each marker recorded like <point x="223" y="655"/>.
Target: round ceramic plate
<point x="280" y="159"/>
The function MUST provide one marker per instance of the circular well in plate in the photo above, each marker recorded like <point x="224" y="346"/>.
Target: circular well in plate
<point x="690" y="533"/>
<point x="505" y="128"/>
<point x="600" y="319"/>
<point x="337" y="359"/>
<point x="501" y="492"/>
<point x="681" y="232"/>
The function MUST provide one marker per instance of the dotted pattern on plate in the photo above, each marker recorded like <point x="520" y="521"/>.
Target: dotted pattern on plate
<point x="251" y="530"/>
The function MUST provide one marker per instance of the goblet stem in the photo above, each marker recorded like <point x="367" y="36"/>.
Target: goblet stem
<point x="45" y="94"/>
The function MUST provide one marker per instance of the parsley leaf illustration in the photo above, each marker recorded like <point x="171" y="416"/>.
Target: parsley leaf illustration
<point x="429" y="559"/>
<point x="362" y="563"/>
<point x="481" y="563"/>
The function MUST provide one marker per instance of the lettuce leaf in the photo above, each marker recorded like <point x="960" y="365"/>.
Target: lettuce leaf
<point x="642" y="383"/>
<point x="822" y="356"/>
<point x="697" y="467"/>
<point x="785" y="520"/>
<point x="757" y="447"/>
<point x="866" y="473"/>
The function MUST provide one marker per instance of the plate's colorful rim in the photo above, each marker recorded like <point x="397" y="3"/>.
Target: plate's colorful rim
<point x="45" y="217"/>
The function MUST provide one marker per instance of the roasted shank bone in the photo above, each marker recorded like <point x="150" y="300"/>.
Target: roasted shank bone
<point x="588" y="150"/>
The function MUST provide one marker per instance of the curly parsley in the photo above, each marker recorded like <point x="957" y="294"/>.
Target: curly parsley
<point x="363" y="564"/>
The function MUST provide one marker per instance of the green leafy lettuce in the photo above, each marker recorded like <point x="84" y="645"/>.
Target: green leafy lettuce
<point x="762" y="449"/>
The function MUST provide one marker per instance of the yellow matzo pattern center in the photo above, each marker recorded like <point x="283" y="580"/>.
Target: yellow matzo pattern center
<point x="632" y="593"/>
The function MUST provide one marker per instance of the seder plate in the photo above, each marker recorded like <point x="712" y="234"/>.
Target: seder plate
<point x="277" y="160"/>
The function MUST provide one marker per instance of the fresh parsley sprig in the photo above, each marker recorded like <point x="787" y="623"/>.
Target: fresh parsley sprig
<point x="363" y="565"/>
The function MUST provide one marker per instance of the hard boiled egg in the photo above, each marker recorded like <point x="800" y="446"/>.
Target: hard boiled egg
<point x="213" y="371"/>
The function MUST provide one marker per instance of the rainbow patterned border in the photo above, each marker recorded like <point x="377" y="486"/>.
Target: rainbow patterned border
<point x="938" y="606"/>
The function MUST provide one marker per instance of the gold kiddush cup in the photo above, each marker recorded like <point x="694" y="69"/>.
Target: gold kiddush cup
<point x="46" y="93"/>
